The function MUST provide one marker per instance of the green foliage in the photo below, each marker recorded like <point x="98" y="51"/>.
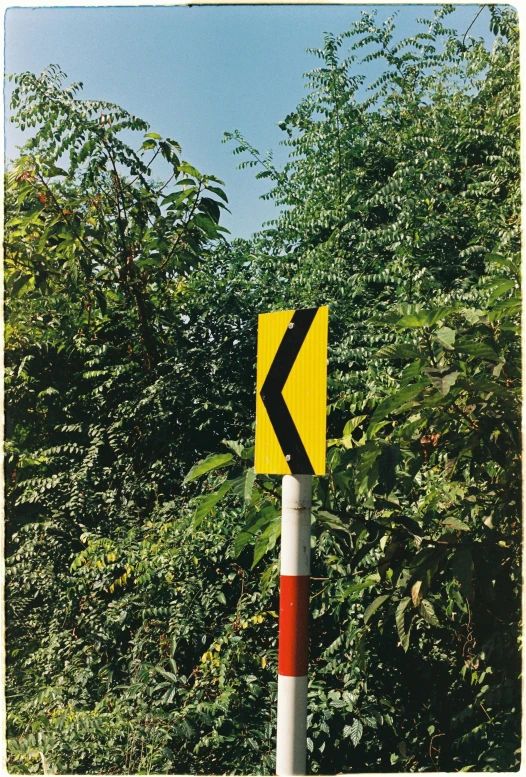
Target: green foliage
<point x="102" y="234"/>
<point x="417" y="536"/>
<point x="142" y="550"/>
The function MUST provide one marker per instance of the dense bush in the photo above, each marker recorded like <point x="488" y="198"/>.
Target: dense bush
<point x="142" y="551"/>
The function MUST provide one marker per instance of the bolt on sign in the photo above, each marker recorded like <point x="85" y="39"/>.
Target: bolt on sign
<point x="291" y="392"/>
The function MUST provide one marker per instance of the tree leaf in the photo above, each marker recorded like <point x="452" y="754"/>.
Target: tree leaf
<point x="218" y="191"/>
<point x="148" y="145"/>
<point x="257" y="519"/>
<point x="375" y="604"/>
<point x="366" y="472"/>
<point x="248" y="452"/>
<point x="347" y="440"/>
<point x="101" y="301"/>
<point x="423" y="318"/>
<point x="428" y="613"/>
<point x="355" y="587"/>
<point x="250" y="477"/>
<point x="352" y="424"/>
<point x="331" y="521"/>
<point x="414" y="320"/>
<point x="442" y="379"/>
<point x="21" y="281"/>
<point x="456" y="524"/>
<point x="209" y="501"/>
<point x="403" y="635"/>
<point x="53" y="171"/>
<point x="266" y="540"/>
<point x="233" y="445"/>
<point x="214" y="461"/>
<point x="356" y="732"/>
<point x="243" y="539"/>
<point x="396" y="401"/>
<point x="477" y="349"/>
<point x="416" y="595"/>
<point x="398" y="351"/>
<point x="446" y="336"/>
<point x="186" y="168"/>
<point x="501" y="287"/>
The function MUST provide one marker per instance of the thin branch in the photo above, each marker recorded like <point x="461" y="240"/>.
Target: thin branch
<point x="471" y="25"/>
<point x="119" y="194"/>
<point x="157" y="193"/>
<point x="431" y="748"/>
<point x="130" y="183"/>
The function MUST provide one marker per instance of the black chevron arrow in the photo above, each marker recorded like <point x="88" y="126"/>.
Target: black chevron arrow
<point x="271" y="392"/>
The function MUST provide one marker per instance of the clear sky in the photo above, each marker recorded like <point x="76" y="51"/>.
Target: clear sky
<point x="196" y="72"/>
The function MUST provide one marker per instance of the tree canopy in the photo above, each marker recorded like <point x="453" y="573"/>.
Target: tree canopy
<point x="142" y="551"/>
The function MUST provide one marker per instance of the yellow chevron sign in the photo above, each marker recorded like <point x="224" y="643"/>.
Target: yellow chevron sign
<point x="291" y="392"/>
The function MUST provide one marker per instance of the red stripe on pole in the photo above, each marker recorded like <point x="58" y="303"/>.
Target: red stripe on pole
<point x="293" y="625"/>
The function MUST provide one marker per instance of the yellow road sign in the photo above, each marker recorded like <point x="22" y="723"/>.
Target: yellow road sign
<point x="291" y="392"/>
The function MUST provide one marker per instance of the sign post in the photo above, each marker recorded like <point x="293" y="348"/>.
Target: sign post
<point x="290" y="441"/>
<point x="291" y="750"/>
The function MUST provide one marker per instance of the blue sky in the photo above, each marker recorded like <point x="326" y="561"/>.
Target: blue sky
<point x="196" y="72"/>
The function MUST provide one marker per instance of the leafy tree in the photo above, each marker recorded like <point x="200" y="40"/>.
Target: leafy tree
<point x="399" y="196"/>
<point x="114" y="237"/>
<point x="403" y="214"/>
<point x="111" y="337"/>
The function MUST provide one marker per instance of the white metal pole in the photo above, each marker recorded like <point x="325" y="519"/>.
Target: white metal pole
<point x="291" y="749"/>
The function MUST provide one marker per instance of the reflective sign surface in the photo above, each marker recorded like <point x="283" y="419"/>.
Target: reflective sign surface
<point x="291" y="392"/>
